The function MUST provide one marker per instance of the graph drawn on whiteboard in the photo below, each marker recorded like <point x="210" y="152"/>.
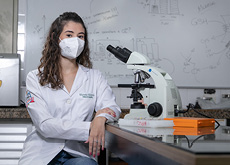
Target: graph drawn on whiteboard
<point x="150" y="48"/>
<point x="41" y="29"/>
<point x="166" y="7"/>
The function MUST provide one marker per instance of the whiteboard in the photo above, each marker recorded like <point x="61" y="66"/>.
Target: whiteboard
<point x="189" y="39"/>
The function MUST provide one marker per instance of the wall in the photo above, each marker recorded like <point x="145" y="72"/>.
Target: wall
<point x="8" y="26"/>
<point x="190" y="30"/>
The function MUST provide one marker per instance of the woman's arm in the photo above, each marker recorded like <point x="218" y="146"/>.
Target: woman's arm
<point x="47" y="125"/>
<point x="106" y="111"/>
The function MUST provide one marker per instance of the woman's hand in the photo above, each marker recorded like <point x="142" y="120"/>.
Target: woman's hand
<point x="106" y="110"/>
<point x="96" y="136"/>
<point x="97" y="132"/>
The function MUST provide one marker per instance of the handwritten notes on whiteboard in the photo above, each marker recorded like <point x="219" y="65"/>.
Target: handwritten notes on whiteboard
<point x="188" y="39"/>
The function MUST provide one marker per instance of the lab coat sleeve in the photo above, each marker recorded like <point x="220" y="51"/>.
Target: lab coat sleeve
<point x="45" y="123"/>
<point x="106" y="99"/>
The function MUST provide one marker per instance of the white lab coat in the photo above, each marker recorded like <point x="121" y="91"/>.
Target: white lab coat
<point x="62" y="119"/>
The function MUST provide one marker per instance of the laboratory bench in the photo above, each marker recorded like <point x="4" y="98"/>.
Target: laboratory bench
<point x="139" y="145"/>
<point x="136" y="147"/>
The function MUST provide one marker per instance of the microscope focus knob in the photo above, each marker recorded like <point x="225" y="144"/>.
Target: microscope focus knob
<point x="155" y="109"/>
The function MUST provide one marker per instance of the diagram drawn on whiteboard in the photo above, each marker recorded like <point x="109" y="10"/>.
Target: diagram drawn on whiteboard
<point x="215" y="54"/>
<point x="99" y="52"/>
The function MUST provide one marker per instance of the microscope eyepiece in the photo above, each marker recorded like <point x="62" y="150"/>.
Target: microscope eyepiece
<point x="121" y="54"/>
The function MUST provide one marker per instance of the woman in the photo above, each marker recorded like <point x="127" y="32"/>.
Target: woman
<point x="62" y="95"/>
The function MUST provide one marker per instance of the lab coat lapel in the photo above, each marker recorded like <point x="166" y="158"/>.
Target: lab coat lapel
<point x="80" y="79"/>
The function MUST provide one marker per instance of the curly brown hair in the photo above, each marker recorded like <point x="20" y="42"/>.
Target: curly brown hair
<point x="50" y="69"/>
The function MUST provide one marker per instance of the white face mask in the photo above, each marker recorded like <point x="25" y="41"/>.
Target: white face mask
<point x="71" y="48"/>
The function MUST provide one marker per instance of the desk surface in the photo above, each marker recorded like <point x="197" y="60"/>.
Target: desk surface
<point x="138" y="145"/>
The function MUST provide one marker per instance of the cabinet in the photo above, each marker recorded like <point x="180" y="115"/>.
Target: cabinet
<point x="12" y="138"/>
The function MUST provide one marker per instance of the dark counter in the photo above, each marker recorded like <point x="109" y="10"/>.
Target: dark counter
<point x="213" y="113"/>
<point x="21" y="112"/>
<point x="14" y="113"/>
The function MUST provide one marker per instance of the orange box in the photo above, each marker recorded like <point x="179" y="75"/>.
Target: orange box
<point x="193" y="130"/>
<point x="192" y="122"/>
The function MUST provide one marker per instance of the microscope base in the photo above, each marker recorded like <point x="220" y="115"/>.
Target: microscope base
<point x="140" y="114"/>
<point x="145" y="123"/>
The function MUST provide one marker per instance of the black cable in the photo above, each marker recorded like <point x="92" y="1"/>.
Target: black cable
<point x="192" y="106"/>
<point x="191" y="144"/>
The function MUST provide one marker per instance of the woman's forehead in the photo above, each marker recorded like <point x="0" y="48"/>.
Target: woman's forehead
<point x="73" y="26"/>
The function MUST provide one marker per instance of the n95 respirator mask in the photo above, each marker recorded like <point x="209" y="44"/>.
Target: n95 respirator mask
<point x="71" y="48"/>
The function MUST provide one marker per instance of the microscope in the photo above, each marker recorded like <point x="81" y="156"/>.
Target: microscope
<point x="162" y="98"/>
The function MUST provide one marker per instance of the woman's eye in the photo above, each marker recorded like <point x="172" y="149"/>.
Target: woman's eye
<point x="81" y="37"/>
<point x="69" y="35"/>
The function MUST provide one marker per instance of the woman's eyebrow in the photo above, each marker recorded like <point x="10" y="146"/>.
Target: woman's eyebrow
<point x="69" y="31"/>
<point x="81" y="33"/>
